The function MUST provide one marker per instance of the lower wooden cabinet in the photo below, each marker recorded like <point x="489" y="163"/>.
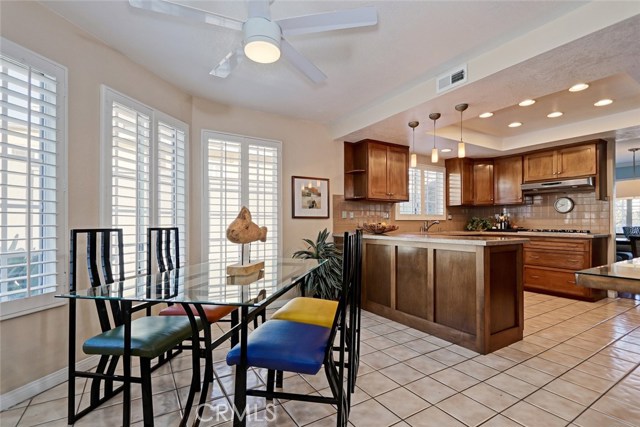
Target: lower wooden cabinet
<point x="550" y="265"/>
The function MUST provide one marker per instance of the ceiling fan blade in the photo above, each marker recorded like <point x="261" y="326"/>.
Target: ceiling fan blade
<point x="259" y="8"/>
<point x="169" y="8"/>
<point x="301" y="63"/>
<point x="337" y="20"/>
<point x="228" y="63"/>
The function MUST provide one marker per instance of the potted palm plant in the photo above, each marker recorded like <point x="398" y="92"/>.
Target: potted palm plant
<point x="326" y="280"/>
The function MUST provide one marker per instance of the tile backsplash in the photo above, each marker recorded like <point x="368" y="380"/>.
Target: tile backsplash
<point x="588" y="214"/>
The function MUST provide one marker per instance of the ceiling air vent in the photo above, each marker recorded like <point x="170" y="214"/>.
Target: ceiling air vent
<point x="453" y="78"/>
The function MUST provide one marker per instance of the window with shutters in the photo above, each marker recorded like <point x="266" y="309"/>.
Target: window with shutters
<point x="241" y="171"/>
<point x="426" y="194"/>
<point x="32" y="180"/>
<point x="144" y="154"/>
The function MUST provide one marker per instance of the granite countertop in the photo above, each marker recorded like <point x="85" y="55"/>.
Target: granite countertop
<point x="484" y="234"/>
<point x="452" y="239"/>
<point x="525" y="234"/>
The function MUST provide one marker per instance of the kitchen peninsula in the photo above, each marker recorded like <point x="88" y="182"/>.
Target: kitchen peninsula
<point x="465" y="289"/>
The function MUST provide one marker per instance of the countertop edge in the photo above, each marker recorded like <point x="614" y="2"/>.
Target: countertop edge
<point x="516" y="235"/>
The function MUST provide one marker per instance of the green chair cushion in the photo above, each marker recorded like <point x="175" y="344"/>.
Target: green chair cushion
<point x="150" y="337"/>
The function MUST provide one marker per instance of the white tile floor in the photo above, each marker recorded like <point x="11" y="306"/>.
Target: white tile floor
<point x="578" y="365"/>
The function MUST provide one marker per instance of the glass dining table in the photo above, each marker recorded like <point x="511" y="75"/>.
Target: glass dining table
<point x="195" y="285"/>
<point x="623" y="276"/>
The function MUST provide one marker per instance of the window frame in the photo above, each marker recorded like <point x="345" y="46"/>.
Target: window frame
<point x="36" y="303"/>
<point x="243" y="140"/>
<point x="109" y="95"/>
<point x="422" y="216"/>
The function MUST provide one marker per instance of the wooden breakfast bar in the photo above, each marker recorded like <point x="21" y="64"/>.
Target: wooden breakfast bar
<point x="465" y="289"/>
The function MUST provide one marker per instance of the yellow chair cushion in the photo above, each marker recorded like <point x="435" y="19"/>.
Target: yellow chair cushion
<point x="312" y="311"/>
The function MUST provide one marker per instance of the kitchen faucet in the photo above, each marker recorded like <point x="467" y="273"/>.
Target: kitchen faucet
<point x="426" y="226"/>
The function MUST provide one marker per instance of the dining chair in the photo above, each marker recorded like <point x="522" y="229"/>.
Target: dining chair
<point x="304" y="348"/>
<point x="150" y="336"/>
<point x="320" y="312"/>
<point x="166" y="241"/>
<point x="635" y="245"/>
<point x="631" y="231"/>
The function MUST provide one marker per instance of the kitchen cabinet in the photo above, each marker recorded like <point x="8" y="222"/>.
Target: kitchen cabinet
<point x="568" y="162"/>
<point x="376" y="170"/>
<point x="507" y="180"/>
<point x="550" y="265"/>
<point x="459" y="181"/>
<point x="483" y="182"/>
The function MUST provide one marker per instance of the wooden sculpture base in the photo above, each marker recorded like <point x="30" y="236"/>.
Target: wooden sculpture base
<point x="244" y="269"/>
<point x="245" y="280"/>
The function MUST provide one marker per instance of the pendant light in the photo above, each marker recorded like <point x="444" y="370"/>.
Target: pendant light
<point x="414" y="158"/>
<point x="461" y="150"/>
<point x="633" y="150"/>
<point x="434" y="150"/>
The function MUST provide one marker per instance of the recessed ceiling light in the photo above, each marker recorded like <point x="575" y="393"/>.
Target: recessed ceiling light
<point x="527" y="102"/>
<point x="603" y="102"/>
<point x="578" y="87"/>
<point x="446" y="150"/>
<point x="485" y="115"/>
<point x="515" y="124"/>
<point x="554" y="114"/>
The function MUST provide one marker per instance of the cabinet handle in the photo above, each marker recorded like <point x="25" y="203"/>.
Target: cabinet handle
<point x="533" y="276"/>
<point x="534" y="257"/>
<point x="571" y="282"/>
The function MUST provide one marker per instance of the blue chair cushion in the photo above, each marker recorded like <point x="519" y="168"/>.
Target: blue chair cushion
<point x="285" y="346"/>
<point x="150" y="337"/>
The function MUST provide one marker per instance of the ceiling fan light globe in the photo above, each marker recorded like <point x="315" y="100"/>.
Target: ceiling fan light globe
<point x="262" y="40"/>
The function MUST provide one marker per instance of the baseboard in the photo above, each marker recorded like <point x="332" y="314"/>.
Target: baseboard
<point x="36" y="387"/>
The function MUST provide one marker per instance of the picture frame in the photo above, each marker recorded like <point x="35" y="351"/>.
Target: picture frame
<point x="309" y="197"/>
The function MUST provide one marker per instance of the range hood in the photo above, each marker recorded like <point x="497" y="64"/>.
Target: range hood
<point x="582" y="184"/>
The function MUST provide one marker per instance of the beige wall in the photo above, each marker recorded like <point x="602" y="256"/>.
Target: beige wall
<point x="628" y="188"/>
<point x="35" y="345"/>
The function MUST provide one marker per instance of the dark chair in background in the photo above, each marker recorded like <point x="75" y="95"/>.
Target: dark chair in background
<point x="635" y="245"/>
<point x="631" y="231"/>
<point x="151" y="337"/>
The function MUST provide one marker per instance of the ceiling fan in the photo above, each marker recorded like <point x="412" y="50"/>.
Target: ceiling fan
<point x="264" y="40"/>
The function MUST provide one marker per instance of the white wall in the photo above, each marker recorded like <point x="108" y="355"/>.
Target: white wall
<point x="35" y="345"/>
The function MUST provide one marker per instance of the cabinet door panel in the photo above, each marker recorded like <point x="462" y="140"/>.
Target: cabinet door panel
<point x="540" y="166"/>
<point x="411" y="281"/>
<point x="507" y="178"/>
<point x="577" y="161"/>
<point x="455" y="290"/>
<point x="483" y="183"/>
<point x="377" y="171"/>
<point x="378" y="279"/>
<point x="398" y="174"/>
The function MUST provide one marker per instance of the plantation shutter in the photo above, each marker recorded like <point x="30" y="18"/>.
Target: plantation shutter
<point x="31" y="185"/>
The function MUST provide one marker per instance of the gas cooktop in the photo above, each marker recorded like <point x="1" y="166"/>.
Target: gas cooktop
<point x="549" y="230"/>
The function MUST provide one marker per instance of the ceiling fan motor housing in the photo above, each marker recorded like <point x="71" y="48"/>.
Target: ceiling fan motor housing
<point x="262" y="40"/>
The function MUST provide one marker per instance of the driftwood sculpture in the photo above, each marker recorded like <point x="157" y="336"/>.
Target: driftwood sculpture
<point x="243" y="230"/>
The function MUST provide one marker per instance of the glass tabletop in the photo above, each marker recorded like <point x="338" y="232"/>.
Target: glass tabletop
<point x="629" y="269"/>
<point x="206" y="283"/>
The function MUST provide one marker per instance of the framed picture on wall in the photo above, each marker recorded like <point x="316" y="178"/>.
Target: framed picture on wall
<point x="310" y="197"/>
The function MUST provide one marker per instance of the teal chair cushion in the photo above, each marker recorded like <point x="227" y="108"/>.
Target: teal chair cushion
<point x="150" y="337"/>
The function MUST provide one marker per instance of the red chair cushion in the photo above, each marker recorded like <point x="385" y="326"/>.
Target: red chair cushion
<point x="213" y="312"/>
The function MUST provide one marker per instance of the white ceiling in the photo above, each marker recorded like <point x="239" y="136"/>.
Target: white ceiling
<point x="381" y="77"/>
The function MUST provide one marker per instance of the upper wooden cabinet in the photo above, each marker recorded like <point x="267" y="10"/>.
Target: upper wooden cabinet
<point x="569" y="162"/>
<point x="507" y="180"/>
<point x="459" y="181"/>
<point x="376" y="170"/>
<point x="483" y="182"/>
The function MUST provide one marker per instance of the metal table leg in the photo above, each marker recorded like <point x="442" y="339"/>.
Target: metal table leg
<point x="240" y="398"/>
<point x="126" y="361"/>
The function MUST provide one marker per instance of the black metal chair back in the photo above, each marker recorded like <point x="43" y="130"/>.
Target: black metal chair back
<point x="635" y="245"/>
<point x="99" y="238"/>
<point x="631" y="231"/>
<point x="167" y="251"/>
